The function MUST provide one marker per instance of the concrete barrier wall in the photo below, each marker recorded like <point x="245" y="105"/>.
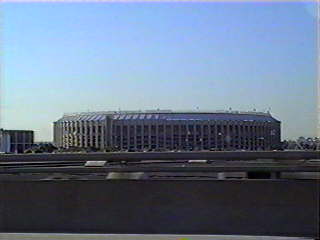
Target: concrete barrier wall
<point x="134" y="156"/>
<point x="233" y="207"/>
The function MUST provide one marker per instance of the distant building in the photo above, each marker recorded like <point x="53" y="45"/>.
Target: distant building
<point x="15" y="141"/>
<point x="167" y="130"/>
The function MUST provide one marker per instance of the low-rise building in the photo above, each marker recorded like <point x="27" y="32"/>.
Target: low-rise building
<point x="15" y="141"/>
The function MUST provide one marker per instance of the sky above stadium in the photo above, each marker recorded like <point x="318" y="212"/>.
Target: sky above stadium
<point x="77" y="57"/>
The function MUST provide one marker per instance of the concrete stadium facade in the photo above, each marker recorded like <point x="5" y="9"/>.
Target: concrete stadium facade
<point x="168" y="130"/>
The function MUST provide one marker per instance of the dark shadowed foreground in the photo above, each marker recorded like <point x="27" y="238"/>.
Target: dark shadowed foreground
<point x="233" y="207"/>
<point x="45" y="236"/>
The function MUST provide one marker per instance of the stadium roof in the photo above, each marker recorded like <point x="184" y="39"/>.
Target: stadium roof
<point x="170" y="116"/>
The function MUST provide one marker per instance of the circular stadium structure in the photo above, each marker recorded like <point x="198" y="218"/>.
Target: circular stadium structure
<point x="168" y="130"/>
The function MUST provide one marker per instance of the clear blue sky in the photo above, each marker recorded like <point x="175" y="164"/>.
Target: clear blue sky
<point x="66" y="57"/>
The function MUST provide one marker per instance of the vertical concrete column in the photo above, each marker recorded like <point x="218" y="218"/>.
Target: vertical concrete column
<point x="60" y="135"/>
<point x="72" y="133"/>
<point x="115" y="135"/>
<point x="224" y="133"/>
<point x="88" y="134"/>
<point x="55" y="133"/>
<point x="73" y="138"/>
<point x="237" y="133"/>
<point x="103" y="130"/>
<point x="97" y="134"/>
<point x="23" y="141"/>
<point x="80" y="133"/>
<point x="16" y="143"/>
<point x="135" y="135"/>
<point x="91" y="133"/>
<point x="249" y="134"/>
<point x="194" y="144"/>
<point x="268" y="135"/>
<point x="179" y="135"/>
<point x="68" y="135"/>
<point x="230" y="134"/>
<point x="64" y="143"/>
<point x="187" y="142"/>
<point x="244" y="137"/>
<point x="72" y="126"/>
<point x="216" y="133"/>
<point x="110" y="133"/>
<point x="227" y="135"/>
<point x="259" y="136"/>
<point x="128" y="136"/>
<point x="121" y="135"/>
<point x="149" y="135"/>
<point x="201" y="135"/>
<point x="85" y="133"/>
<point x="233" y="135"/>
<point x="255" y="136"/>
<point x="262" y="135"/>
<point x="142" y="134"/>
<point x="240" y="125"/>
<point x="252" y="135"/>
<point x="165" y="134"/>
<point x="75" y="133"/>
<point x="157" y="134"/>
<point x="209" y="135"/>
<point x="265" y="136"/>
<point x="172" y="137"/>
<point x="65" y="131"/>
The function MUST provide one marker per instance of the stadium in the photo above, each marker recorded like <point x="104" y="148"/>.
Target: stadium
<point x="165" y="130"/>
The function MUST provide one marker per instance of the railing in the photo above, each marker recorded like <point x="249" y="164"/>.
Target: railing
<point x="166" y="111"/>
